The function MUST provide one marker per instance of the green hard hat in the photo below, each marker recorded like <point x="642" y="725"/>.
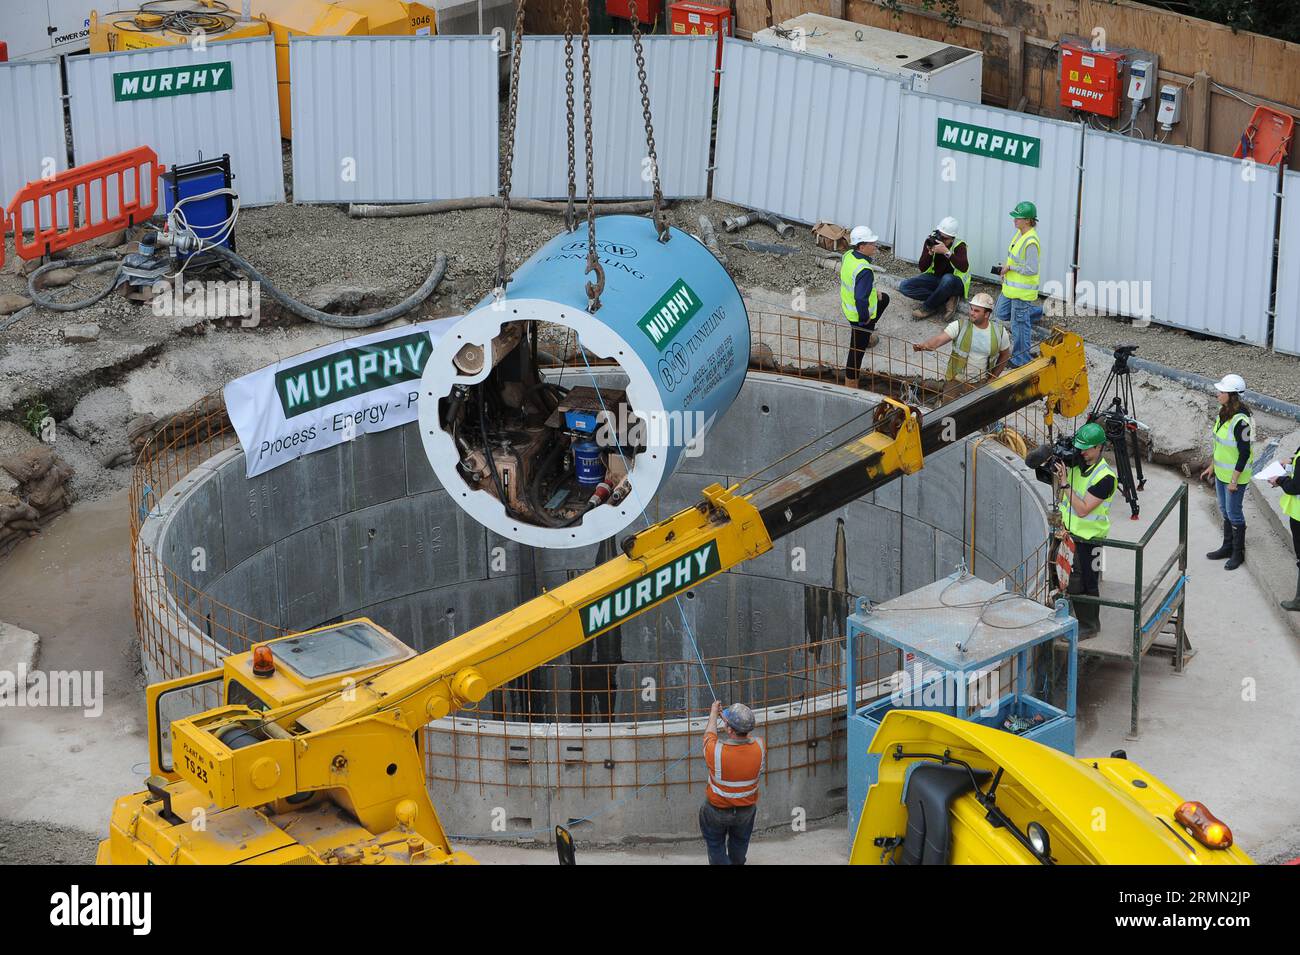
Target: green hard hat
<point x="1024" y="210"/>
<point x="1089" y="436"/>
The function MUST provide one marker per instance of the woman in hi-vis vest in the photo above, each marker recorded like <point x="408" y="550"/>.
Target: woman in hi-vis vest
<point x="1290" y="504"/>
<point x="1231" y="434"/>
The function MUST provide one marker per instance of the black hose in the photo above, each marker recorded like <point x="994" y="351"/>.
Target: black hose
<point x="325" y="318"/>
<point x="51" y="304"/>
<point x="535" y="486"/>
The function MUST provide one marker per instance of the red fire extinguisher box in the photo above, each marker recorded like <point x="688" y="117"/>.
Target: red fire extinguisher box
<point x="702" y="19"/>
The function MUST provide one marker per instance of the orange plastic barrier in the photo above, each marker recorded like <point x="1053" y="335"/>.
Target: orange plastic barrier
<point x="1267" y="139"/>
<point x="94" y="199"/>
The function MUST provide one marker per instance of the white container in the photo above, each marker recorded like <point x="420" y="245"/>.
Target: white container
<point x="926" y="66"/>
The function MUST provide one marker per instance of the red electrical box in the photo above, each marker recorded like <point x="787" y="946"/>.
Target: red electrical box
<point x="702" y="19"/>
<point x="1090" y="80"/>
<point x="647" y="11"/>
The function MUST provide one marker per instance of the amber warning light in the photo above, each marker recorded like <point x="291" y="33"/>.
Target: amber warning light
<point x="1208" y="829"/>
<point x="263" y="662"/>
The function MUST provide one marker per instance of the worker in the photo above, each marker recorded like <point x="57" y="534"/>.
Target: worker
<point x="861" y="301"/>
<point x="1290" y="504"/>
<point x="1018" y="302"/>
<point x="735" y="763"/>
<point x="1231" y="434"/>
<point x="1085" y="515"/>
<point x="945" y="272"/>
<point x="981" y="348"/>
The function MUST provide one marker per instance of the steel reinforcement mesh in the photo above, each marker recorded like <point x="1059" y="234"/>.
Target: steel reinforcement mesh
<point x="183" y="630"/>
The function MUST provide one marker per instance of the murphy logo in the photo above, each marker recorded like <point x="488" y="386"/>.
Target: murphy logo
<point x="668" y="315"/>
<point x="992" y="143"/>
<point x="172" y="81"/>
<point x="685" y="571"/>
<point x="355" y="371"/>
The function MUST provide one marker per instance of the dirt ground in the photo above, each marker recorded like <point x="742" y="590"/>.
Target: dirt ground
<point x="73" y="581"/>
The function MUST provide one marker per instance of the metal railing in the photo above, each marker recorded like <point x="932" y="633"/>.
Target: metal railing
<point x="182" y="628"/>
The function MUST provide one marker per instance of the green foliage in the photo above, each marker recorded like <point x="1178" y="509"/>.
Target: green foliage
<point x="33" y="415"/>
<point x="950" y="10"/>
<point x="1275" y="18"/>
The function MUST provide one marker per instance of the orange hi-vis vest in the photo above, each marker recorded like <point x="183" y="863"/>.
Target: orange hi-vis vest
<point x="734" y="770"/>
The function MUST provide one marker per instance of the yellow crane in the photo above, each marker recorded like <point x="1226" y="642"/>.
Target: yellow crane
<point x="307" y="749"/>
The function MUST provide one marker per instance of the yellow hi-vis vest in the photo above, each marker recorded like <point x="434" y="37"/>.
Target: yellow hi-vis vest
<point x="1097" y="523"/>
<point x="959" y="357"/>
<point x="850" y="268"/>
<point x="1015" y="282"/>
<point x="1225" y="449"/>
<point x="1290" y="503"/>
<point x="964" y="276"/>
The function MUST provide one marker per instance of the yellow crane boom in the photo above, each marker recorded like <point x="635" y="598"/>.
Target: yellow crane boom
<point x="313" y="765"/>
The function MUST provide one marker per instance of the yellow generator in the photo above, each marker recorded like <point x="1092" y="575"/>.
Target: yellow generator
<point x="169" y="23"/>
<point x="172" y="22"/>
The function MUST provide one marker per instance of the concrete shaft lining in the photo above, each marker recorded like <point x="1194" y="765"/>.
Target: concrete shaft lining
<point x="364" y="529"/>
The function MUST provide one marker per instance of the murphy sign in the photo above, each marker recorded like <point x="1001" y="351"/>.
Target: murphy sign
<point x="331" y="394"/>
<point x="645" y="591"/>
<point x="991" y="143"/>
<point x="172" y="81"/>
<point x="668" y="315"/>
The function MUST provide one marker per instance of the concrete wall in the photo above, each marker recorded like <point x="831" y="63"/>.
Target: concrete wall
<point x="364" y="529"/>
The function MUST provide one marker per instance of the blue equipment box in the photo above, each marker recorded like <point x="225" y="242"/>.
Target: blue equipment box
<point x="207" y="217"/>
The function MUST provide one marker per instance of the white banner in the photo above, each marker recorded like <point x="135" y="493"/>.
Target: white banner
<point x="330" y="395"/>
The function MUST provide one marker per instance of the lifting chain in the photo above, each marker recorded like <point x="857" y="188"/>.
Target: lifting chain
<point x="570" y="213"/>
<point x="595" y="288"/>
<point x="507" y="162"/>
<point x="661" y="222"/>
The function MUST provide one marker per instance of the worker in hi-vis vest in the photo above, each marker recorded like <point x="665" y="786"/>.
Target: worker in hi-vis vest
<point x="1290" y="504"/>
<point x="860" y="300"/>
<point x="1231" y="434"/>
<point x="945" y="272"/>
<point x="1018" y="302"/>
<point x="734" y="761"/>
<point x="981" y="348"/>
<point x="1086" y="493"/>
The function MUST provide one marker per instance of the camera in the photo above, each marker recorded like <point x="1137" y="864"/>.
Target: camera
<point x="1044" y="457"/>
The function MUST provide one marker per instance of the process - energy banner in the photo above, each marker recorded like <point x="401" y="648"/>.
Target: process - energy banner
<point x="330" y="395"/>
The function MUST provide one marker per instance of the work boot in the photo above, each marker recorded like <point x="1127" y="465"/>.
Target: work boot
<point x="1294" y="603"/>
<point x="1238" y="548"/>
<point x="873" y="339"/>
<point x="1089" y="617"/>
<point x="949" y="307"/>
<point x="921" y="312"/>
<point x="1225" y="549"/>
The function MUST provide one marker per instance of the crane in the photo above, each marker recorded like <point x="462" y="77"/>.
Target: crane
<point x="311" y="753"/>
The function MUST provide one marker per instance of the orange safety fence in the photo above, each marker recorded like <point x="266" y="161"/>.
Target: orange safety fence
<point x="93" y="199"/>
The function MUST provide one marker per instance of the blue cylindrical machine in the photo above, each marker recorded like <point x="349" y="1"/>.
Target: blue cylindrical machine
<point x="670" y="317"/>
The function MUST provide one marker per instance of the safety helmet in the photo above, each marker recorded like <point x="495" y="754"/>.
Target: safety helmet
<point x="1089" y="436"/>
<point x="861" y="234"/>
<point x="948" y="226"/>
<point x="739" y="716"/>
<point x="982" y="300"/>
<point x="1024" y="210"/>
<point x="1231" y="384"/>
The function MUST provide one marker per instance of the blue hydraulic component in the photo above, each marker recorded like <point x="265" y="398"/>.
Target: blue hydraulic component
<point x="208" y="218"/>
<point x="587" y="465"/>
<point x="958" y="641"/>
<point x="583" y="421"/>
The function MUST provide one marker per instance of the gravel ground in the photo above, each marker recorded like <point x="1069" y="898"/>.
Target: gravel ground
<point x="44" y="843"/>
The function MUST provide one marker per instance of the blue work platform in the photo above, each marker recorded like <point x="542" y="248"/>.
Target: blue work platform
<point x="964" y="647"/>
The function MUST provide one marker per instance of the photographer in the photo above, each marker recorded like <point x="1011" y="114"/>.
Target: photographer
<point x="1088" y="484"/>
<point x="945" y="272"/>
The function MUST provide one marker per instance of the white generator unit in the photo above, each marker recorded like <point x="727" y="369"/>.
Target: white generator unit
<point x="926" y="66"/>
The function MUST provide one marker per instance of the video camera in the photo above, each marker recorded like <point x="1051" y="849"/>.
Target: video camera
<point x="1046" y="456"/>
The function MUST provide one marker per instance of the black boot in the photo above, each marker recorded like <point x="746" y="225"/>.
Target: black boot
<point x="1089" y="617"/>
<point x="1238" y="548"/>
<point x="1225" y="549"/>
<point x="1294" y="604"/>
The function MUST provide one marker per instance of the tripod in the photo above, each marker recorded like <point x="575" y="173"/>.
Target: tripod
<point x="1115" y="409"/>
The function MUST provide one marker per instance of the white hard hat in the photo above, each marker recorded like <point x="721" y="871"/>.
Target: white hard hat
<point x="861" y="234"/>
<point x="982" y="300"/>
<point x="948" y="226"/>
<point x="1231" y="384"/>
